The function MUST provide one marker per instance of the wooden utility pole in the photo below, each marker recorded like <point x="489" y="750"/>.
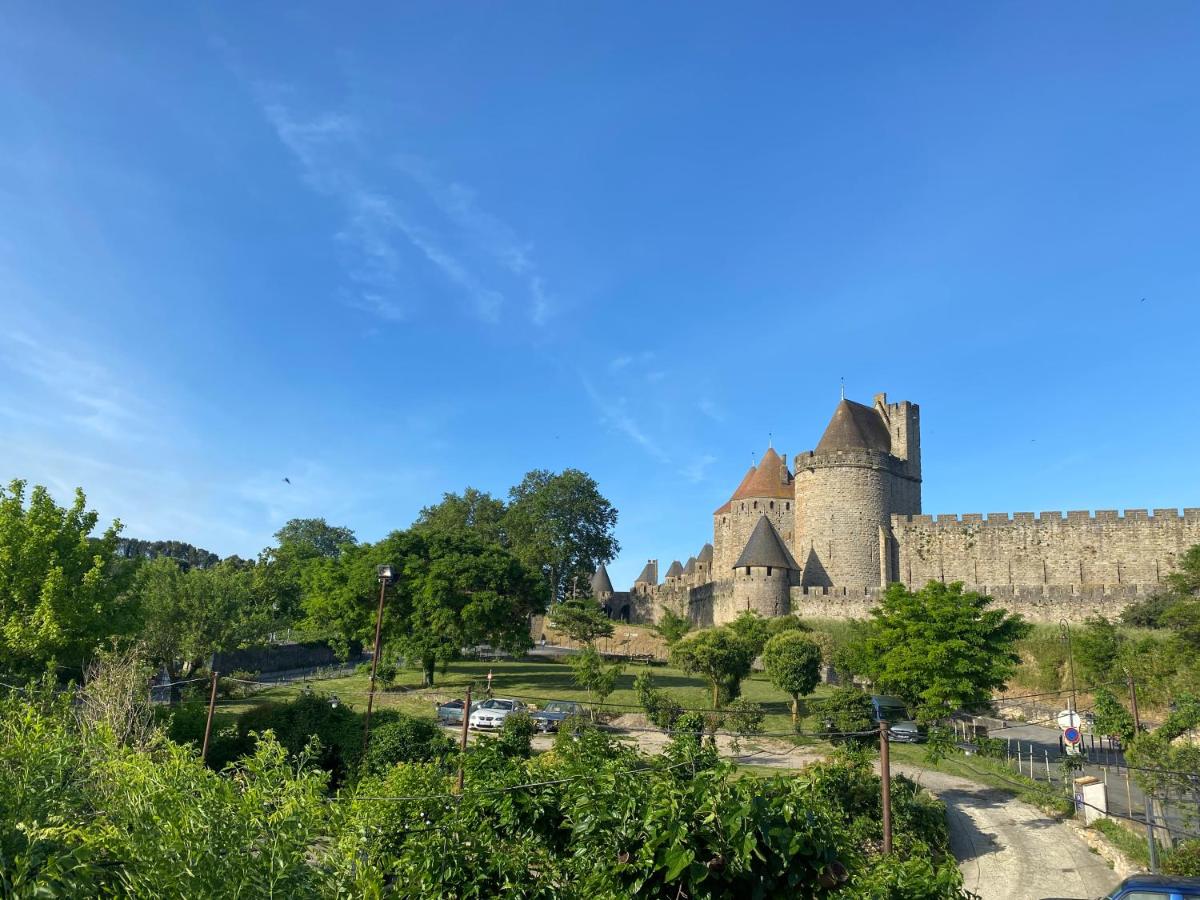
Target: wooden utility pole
<point x="1137" y="721"/>
<point x="383" y="583"/>
<point x="212" y="702"/>
<point x="885" y="786"/>
<point x="463" y="744"/>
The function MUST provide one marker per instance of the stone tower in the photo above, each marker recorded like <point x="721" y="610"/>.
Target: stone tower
<point x="763" y="572"/>
<point x="866" y="467"/>
<point x="602" y="588"/>
<point x="767" y="490"/>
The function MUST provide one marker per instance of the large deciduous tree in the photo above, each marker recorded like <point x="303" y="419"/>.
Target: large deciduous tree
<point x="940" y="648"/>
<point x="720" y="656"/>
<point x="472" y="510"/>
<point x="793" y="663"/>
<point x="562" y="526"/>
<point x="279" y="575"/>
<point x="60" y="595"/>
<point x="453" y="590"/>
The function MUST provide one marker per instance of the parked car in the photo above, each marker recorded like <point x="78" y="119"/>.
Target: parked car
<point x="901" y="727"/>
<point x="492" y="713"/>
<point x="553" y="713"/>
<point x="1153" y="887"/>
<point x="451" y="712"/>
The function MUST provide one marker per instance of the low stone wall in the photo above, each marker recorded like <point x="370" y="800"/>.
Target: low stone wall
<point x="280" y="657"/>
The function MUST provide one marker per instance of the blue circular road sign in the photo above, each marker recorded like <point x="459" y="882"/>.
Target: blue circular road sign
<point x="1071" y="735"/>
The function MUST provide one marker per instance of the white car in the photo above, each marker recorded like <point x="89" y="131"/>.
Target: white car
<point x="492" y="713"/>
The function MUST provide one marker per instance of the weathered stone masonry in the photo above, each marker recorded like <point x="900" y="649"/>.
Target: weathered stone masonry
<point x="827" y="539"/>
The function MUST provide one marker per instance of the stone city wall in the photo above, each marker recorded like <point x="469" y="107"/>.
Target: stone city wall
<point x="1079" y="548"/>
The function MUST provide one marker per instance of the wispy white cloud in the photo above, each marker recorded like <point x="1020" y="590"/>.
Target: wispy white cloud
<point x="487" y="231"/>
<point x="78" y="389"/>
<point x="707" y="406"/>
<point x="696" y="470"/>
<point x="329" y="148"/>
<point x="616" y="415"/>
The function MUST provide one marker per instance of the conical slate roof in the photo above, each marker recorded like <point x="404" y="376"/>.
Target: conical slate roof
<point x="765" y="548"/>
<point x="601" y="583"/>
<point x="676" y="569"/>
<point x="706" y="554"/>
<point x="689" y="567"/>
<point x="855" y="427"/>
<point x="647" y="575"/>
<point x="770" y="478"/>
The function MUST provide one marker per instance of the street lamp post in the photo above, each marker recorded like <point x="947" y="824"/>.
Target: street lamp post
<point x="1066" y="636"/>
<point x="384" y="573"/>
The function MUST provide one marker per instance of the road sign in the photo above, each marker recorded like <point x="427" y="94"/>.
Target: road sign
<point x="1071" y="735"/>
<point x="1069" y="719"/>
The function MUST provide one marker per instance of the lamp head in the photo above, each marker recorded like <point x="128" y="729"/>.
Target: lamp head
<point x="385" y="573"/>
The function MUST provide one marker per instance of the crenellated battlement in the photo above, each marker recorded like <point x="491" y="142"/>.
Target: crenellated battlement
<point x="865" y="459"/>
<point x="1054" y="517"/>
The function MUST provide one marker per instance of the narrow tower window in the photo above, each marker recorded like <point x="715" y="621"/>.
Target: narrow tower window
<point x="768" y="571"/>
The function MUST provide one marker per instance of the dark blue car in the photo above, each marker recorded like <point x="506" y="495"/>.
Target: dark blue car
<point x="1154" y="887"/>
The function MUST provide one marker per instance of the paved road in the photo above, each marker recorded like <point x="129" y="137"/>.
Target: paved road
<point x="1008" y="850"/>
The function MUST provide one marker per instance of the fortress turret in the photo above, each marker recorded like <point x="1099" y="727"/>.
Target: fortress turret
<point x="763" y="572"/>
<point x="866" y="467"/>
<point x="766" y="490"/>
<point x="602" y="588"/>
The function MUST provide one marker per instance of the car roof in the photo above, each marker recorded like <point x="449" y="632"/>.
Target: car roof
<point x="1161" y="881"/>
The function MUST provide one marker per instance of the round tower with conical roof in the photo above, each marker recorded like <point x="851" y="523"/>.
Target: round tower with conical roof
<point x="766" y="490"/>
<point x="866" y="467"/>
<point x="763" y="574"/>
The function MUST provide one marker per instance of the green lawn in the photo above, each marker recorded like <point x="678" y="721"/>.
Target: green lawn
<point x="532" y="681"/>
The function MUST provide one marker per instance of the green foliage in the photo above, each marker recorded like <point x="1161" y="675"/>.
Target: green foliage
<point x="743" y="716"/>
<point x="453" y="591"/>
<point x="1166" y="766"/>
<point x="1111" y="717"/>
<point x="60" y="592"/>
<point x="516" y="735"/>
<point x="672" y="627"/>
<point x="472" y="510"/>
<point x="793" y="663"/>
<point x="846" y="712"/>
<point x="559" y="524"/>
<point x="397" y="738"/>
<point x="990" y="747"/>
<point x="593" y="675"/>
<point x="751" y="628"/>
<point x="1097" y="647"/>
<point x="1184" y="859"/>
<point x="311" y="726"/>
<point x="189" y="615"/>
<point x="660" y="709"/>
<point x="940" y="648"/>
<point x="1147" y="613"/>
<point x="582" y="620"/>
<point x="719" y="655"/>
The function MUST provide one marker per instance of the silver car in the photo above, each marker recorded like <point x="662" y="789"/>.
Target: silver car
<point x="492" y="713"/>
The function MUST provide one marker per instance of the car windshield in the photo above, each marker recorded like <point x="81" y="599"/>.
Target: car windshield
<point x="892" y="712"/>
<point x="496" y="704"/>
<point x="456" y="704"/>
<point x="559" y="706"/>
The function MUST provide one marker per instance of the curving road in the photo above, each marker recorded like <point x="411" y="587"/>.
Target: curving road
<point x="1008" y="850"/>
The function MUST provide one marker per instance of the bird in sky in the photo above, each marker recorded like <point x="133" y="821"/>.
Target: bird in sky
<point x="288" y="480"/>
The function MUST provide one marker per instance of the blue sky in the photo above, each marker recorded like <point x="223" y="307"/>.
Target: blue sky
<point x="429" y="245"/>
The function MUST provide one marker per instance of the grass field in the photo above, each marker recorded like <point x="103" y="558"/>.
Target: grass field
<point x="532" y="681"/>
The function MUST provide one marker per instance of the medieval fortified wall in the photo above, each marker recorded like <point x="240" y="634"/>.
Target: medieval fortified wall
<point x="824" y="536"/>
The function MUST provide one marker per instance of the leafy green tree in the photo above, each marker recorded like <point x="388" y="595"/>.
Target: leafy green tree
<point x="594" y="675"/>
<point x="793" y="664"/>
<point x="846" y="714"/>
<point x="188" y="616"/>
<point x="940" y="648"/>
<point x="658" y="705"/>
<point x="719" y="655"/>
<point x="452" y="591"/>
<point x="582" y="620"/>
<point x="752" y="628"/>
<point x="1111" y="717"/>
<point x="472" y="510"/>
<point x="562" y="526"/>
<point x="314" y="539"/>
<point x="671" y="626"/>
<point x="279" y="573"/>
<point x="60" y="593"/>
<point x="1097" y="646"/>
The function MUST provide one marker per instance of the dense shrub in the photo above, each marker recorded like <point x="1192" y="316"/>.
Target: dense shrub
<point x="657" y="704"/>
<point x="295" y="723"/>
<point x="397" y="738"/>
<point x="516" y="735"/>
<point x="1184" y="859"/>
<point x="846" y="711"/>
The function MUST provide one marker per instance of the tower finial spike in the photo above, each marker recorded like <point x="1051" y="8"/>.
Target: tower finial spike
<point x="843" y="387"/>
<point x="770" y="441"/>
